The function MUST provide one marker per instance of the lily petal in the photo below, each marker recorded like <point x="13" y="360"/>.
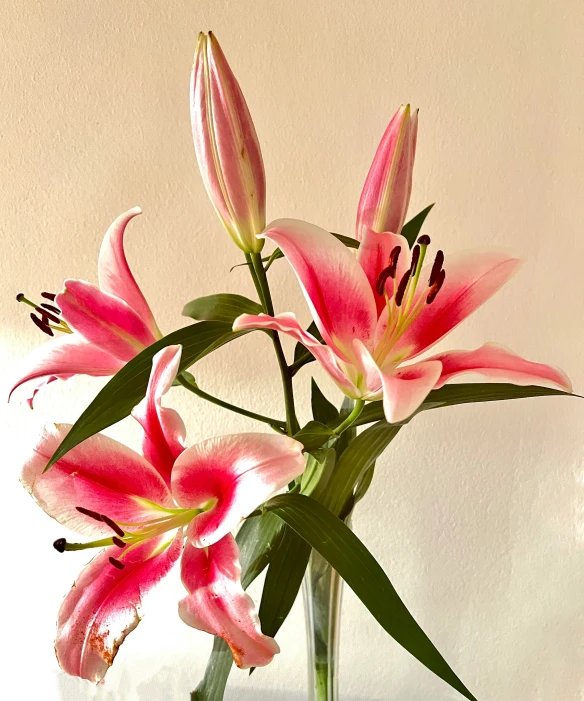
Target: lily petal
<point x="405" y="389"/>
<point x="218" y="605"/>
<point x="231" y="476"/>
<point x="99" y="474"/>
<point x="114" y="274"/>
<point x="334" y="284"/>
<point x="288" y="323"/>
<point x="471" y="279"/>
<point x="103" y="319"/>
<point x="64" y="357"/>
<point x="164" y="430"/>
<point x="105" y="603"/>
<point x="499" y="363"/>
<point x="373" y="255"/>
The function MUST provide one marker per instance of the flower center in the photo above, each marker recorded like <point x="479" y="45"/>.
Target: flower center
<point x="48" y="313"/>
<point x="401" y="302"/>
<point x="129" y="535"/>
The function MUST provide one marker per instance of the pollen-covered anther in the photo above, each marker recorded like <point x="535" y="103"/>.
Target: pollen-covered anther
<point x="90" y="513"/>
<point x="60" y="544"/>
<point x="415" y="259"/>
<point x="50" y="307"/>
<point x="42" y="325"/>
<point x="113" y="525"/>
<point x="436" y="286"/>
<point x="399" y="295"/>
<point x="436" y="268"/>
<point x="47" y="315"/>
<point x="118" y="541"/>
<point x="49" y="295"/>
<point x="116" y="563"/>
<point x="388" y="272"/>
<point x="424" y="240"/>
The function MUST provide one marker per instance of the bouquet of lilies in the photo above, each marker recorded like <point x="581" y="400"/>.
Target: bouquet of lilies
<point x="280" y="499"/>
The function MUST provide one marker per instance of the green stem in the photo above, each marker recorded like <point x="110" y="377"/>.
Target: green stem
<point x="261" y="283"/>
<point x="352" y="417"/>
<point x="277" y="425"/>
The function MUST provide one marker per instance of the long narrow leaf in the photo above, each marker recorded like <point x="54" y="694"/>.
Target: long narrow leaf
<point x="128" y="386"/>
<point x="220" y="307"/>
<point x="412" y="228"/>
<point x="343" y="550"/>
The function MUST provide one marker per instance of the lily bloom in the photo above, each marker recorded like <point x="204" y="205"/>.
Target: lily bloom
<point x="142" y="509"/>
<point x="386" y="194"/>
<point x="227" y="147"/>
<point x="103" y="327"/>
<point x="379" y="311"/>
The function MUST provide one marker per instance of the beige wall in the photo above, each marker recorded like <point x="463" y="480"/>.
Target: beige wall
<point x="477" y="512"/>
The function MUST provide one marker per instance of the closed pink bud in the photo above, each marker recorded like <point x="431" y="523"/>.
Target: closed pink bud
<point x="386" y="194"/>
<point x="227" y="147"/>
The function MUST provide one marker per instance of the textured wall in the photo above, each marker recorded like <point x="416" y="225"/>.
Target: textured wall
<point x="476" y="513"/>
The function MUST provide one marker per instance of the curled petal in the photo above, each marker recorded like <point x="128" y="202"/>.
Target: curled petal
<point x="288" y="323"/>
<point x="62" y="358"/>
<point x="164" y="430"/>
<point x="334" y="284"/>
<point x="218" y="605"/>
<point x="471" y="279"/>
<point x="99" y="474"/>
<point x="374" y="254"/>
<point x="104" y="605"/>
<point x="230" y="476"/>
<point x="499" y="363"/>
<point x="114" y="274"/>
<point x="405" y="389"/>
<point x="103" y="319"/>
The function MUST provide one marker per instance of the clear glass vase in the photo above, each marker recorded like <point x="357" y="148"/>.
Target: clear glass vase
<point x="322" y="589"/>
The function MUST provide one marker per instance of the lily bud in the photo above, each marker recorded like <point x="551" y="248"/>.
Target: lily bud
<point x="386" y="194"/>
<point x="227" y="147"/>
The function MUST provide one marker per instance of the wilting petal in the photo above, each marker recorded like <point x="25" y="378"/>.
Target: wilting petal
<point x="105" y="603"/>
<point x="66" y="356"/>
<point x="471" y="279"/>
<point x="103" y="319"/>
<point x="164" y="430"/>
<point x="231" y="476"/>
<point x="374" y="253"/>
<point x="334" y="284"/>
<point x="227" y="147"/>
<point x="99" y="474"/>
<point x="218" y="605"/>
<point x="406" y="388"/>
<point x="114" y="274"/>
<point x="287" y="323"/>
<point x="386" y="194"/>
<point x="499" y="363"/>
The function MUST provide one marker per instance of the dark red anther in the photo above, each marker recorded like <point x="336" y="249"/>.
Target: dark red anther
<point x="401" y="290"/>
<point x="51" y="308"/>
<point x="89" y="512"/>
<point x="436" y="268"/>
<point x="436" y="287"/>
<point x="393" y="258"/>
<point x="113" y="525"/>
<point x="116" y="563"/>
<point x="48" y="295"/>
<point x="424" y="240"/>
<point x="118" y="541"/>
<point x="384" y="276"/>
<point x="42" y="326"/>
<point x="48" y="315"/>
<point x="60" y="544"/>
<point x="415" y="259"/>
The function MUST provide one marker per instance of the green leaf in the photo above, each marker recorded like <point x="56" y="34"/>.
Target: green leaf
<point x="285" y="573"/>
<point x="220" y="307"/>
<point x="467" y="393"/>
<point x="314" y="435"/>
<point x="412" y="228"/>
<point x="257" y="539"/>
<point x="343" y="550"/>
<point x="322" y="409"/>
<point x="128" y="386"/>
<point x="319" y="465"/>
<point x="349" y="434"/>
<point x="358" y="457"/>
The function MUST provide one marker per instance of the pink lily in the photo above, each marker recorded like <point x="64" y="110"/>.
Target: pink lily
<point x="386" y="194"/>
<point x="104" y="326"/>
<point x="227" y="146"/>
<point x="382" y="309"/>
<point x="142" y="509"/>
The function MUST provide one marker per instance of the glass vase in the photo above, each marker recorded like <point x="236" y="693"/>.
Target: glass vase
<point x="322" y="589"/>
